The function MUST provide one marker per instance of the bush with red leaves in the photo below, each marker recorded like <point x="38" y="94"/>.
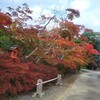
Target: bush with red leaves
<point x="17" y="77"/>
<point x="5" y="19"/>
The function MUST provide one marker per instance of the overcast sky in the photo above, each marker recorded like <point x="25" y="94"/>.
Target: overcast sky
<point x="89" y="9"/>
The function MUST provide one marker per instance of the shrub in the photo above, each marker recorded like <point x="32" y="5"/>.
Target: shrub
<point x="5" y="42"/>
<point x="17" y="77"/>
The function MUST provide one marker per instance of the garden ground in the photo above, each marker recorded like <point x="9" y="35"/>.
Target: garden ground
<point x="84" y="86"/>
<point x="51" y="90"/>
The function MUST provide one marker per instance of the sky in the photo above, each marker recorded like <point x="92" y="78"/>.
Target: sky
<point x="89" y="9"/>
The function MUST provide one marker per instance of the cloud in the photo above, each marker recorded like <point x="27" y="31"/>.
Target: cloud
<point x="89" y="9"/>
<point x="61" y="5"/>
<point x="89" y="13"/>
<point x="80" y="4"/>
<point x="37" y="11"/>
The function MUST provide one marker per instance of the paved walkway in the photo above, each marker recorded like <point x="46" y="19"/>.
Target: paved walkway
<point x="86" y="87"/>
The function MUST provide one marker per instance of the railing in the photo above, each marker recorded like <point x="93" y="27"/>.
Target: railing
<point x="40" y="85"/>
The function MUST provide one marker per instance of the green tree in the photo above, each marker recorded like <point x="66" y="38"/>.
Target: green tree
<point x="94" y="38"/>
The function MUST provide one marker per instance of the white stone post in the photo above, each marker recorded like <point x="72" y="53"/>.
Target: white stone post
<point x="59" y="80"/>
<point x="40" y="83"/>
<point x="39" y="88"/>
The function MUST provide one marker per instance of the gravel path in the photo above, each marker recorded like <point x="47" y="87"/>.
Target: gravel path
<point x="52" y="91"/>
